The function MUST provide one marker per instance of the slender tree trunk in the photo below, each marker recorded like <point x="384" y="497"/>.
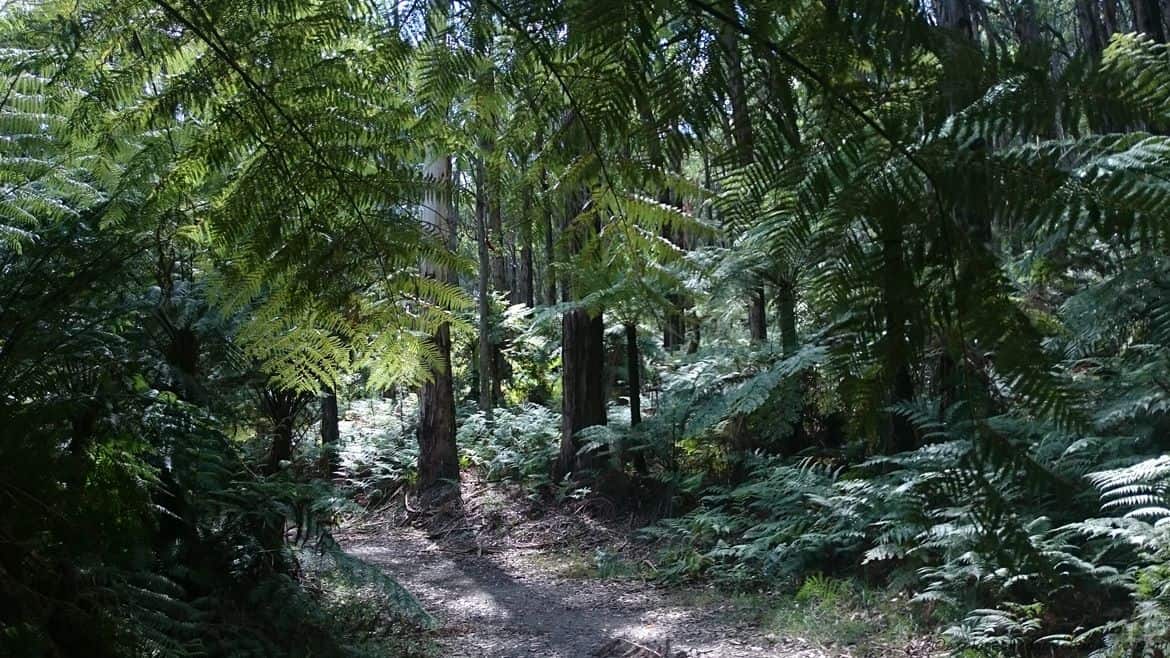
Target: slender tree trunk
<point x="1026" y="25"/>
<point x="182" y="353"/>
<point x="526" y="284"/>
<point x="496" y="237"/>
<point x="973" y="214"/>
<point x="693" y="321"/>
<point x="957" y="15"/>
<point x="438" y="458"/>
<point x="485" y="350"/>
<point x="281" y="445"/>
<point x="550" y="275"/>
<point x="737" y="91"/>
<point x="1111" y="22"/>
<point x="673" y="329"/>
<point x="280" y="408"/>
<point x="634" y="374"/>
<point x="1094" y="29"/>
<point x="634" y="383"/>
<point x="330" y="433"/>
<point x="674" y="324"/>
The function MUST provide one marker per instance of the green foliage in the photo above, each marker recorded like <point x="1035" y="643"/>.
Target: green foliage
<point x="379" y="450"/>
<point x="518" y="444"/>
<point x="137" y="157"/>
<point x="959" y="222"/>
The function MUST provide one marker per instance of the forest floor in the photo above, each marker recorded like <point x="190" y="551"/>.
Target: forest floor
<point x="508" y="580"/>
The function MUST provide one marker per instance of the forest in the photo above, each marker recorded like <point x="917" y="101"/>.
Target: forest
<point x="795" y="328"/>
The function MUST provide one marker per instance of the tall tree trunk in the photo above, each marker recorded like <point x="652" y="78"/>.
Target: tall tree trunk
<point x="525" y="284"/>
<point x="496" y="239"/>
<point x="1026" y="25"/>
<point x="674" y="327"/>
<point x="183" y="350"/>
<point x="972" y="213"/>
<point x="550" y="275"/>
<point x="583" y="384"/>
<point x="1094" y="29"/>
<point x="895" y="284"/>
<point x="582" y="359"/>
<point x="486" y="350"/>
<point x="1111" y="23"/>
<point x="674" y="324"/>
<point x="330" y="433"/>
<point x="438" y="457"/>
<point x="280" y="408"/>
<point x="1090" y="28"/>
<point x="744" y="147"/>
<point x="957" y="15"/>
<point x="1147" y="19"/>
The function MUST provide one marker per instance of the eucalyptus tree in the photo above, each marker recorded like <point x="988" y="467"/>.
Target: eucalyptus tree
<point x="438" y="464"/>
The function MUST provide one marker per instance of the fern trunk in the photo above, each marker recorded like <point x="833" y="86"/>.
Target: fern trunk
<point x="757" y="316"/>
<point x="280" y="408"/>
<point x="786" y="310"/>
<point x="330" y="433"/>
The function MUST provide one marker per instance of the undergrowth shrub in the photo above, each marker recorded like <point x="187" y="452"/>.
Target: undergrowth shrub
<point x="992" y="524"/>
<point x="518" y="444"/>
<point x="785" y="519"/>
<point x="379" y="450"/>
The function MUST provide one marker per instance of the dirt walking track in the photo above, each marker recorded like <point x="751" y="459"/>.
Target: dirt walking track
<point x="509" y="603"/>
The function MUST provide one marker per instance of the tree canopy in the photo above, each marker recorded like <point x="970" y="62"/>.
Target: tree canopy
<point x="870" y="289"/>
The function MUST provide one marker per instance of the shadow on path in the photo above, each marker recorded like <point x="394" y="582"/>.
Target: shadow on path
<point x="508" y="604"/>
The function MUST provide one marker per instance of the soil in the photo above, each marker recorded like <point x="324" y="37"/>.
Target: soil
<point x="503" y="585"/>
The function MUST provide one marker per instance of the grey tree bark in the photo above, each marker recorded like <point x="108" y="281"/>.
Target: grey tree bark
<point x="438" y="459"/>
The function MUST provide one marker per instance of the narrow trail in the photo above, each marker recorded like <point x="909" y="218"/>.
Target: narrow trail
<point x="510" y="603"/>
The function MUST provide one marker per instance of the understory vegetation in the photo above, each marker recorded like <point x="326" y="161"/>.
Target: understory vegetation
<point x="862" y="304"/>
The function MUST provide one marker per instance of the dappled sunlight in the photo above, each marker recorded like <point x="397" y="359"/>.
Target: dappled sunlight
<point x="590" y="329"/>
